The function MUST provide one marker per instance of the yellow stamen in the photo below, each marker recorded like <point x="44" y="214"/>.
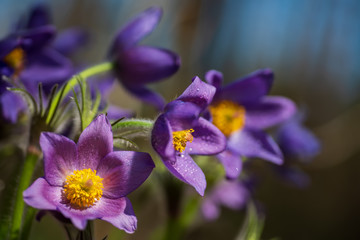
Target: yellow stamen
<point x="180" y="138"/>
<point x="228" y="116"/>
<point x="15" y="59"/>
<point x="83" y="188"/>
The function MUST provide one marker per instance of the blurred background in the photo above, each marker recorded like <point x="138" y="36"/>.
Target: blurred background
<point x="314" y="49"/>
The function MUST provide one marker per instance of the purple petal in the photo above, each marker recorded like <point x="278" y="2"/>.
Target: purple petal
<point x="198" y="93"/>
<point x="70" y="40"/>
<point x="214" y="78"/>
<point x="181" y="115"/>
<point x="208" y="139"/>
<point x="296" y="141"/>
<point x="210" y="209"/>
<point x="232" y="163"/>
<point x="293" y="176"/>
<point x="37" y="38"/>
<point x="11" y="106"/>
<point x="46" y="66"/>
<point x="60" y="157"/>
<point x="95" y="142"/>
<point x="39" y="16"/>
<point x="123" y="172"/>
<point x="41" y="195"/>
<point x="8" y="44"/>
<point x="148" y="96"/>
<point x="142" y="65"/>
<point x="255" y="143"/>
<point x="232" y="194"/>
<point x="114" y="113"/>
<point x="185" y="169"/>
<point x="161" y="138"/>
<point x="118" y="212"/>
<point x="136" y="29"/>
<point x="126" y="220"/>
<point x="269" y="111"/>
<point x="250" y="88"/>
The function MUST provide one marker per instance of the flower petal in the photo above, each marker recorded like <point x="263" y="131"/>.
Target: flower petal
<point x="161" y="138"/>
<point x="39" y="16"/>
<point x="269" y="111"/>
<point x="41" y="195"/>
<point x="11" y="105"/>
<point x="185" y="169"/>
<point x="214" y="78"/>
<point x="232" y="163"/>
<point x="70" y="40"/>
<point x="123" y="172"/>
<point x="181" y="115"/>
<point x="115" y="113"/>
<point x="255" y="143"/>
<point x="95" y="142"/>
<point x="249" y="88"/>
<point x="148" y="96"/>
<point x="208" y="139"/>
<point x="36" y="38"/>
<point x="138" y="28"/>
<point x="60" y="157"/>
<point x="198" y="93"/>
<point x="142" y="65"/>
<point x="46" y="66"/>
<point x="127" y="220"/>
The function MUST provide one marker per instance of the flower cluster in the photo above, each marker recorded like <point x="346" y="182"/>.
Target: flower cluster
<point x="90" y="180"/>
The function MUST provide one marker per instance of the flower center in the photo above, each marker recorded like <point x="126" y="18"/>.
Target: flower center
<point x="228" y="116"/>
<point x="180" y="138"/>
<point x="83" y="188"/>
<point x="15" y="59"/>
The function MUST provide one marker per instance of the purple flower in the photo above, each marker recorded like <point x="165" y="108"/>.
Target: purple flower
<point x="296" y="141"/>
<point x="87" y="180"/>
<point x="180" y="132"/>
<point x="139" y="65"/>
<point x="241" y="110"/>
<point x="231" y="194"/>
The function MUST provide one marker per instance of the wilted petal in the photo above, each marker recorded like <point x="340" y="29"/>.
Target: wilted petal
<point x="269" y="111"/>
<point x="255" y="143"/>
<point x="95" y="142"/>
<point x="208" y="139"/>
<point x="138" y="28"/>
<point x="60" y="157"/>
<point x="198" y="93"/>
<point x="185" y="169"/>
<point x="142" y="65"/>
<point x="249" y="88"/>
<point x="162" y="139"/>
<point x="123" y="172"/>
<point x="215" y="78"/>
<point x="232" y="163"/>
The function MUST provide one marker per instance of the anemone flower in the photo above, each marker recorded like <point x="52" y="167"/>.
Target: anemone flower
<point x="137" y="65"/>
<point x="180" y="132"/>
<point x="87" y="180"/>
<point x="241" y="110"/>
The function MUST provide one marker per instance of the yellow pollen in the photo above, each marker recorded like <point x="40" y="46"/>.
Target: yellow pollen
<point x="180" y="138"/>
<point x="83" y="188"/>
<point x="15" y="59"/>
<point x="228" y="116"/>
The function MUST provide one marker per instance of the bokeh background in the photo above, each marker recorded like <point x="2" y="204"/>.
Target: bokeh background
<point x="313" y="48"/>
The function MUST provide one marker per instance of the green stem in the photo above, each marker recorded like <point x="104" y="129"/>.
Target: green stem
<point x="97" y="69"/>
<point x="24" y="182"/>
<point x="133" y="122"/>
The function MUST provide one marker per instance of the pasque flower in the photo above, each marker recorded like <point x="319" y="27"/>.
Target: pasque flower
<point x="137" y="65"/>
<point x="232" y="194"/>
<point x="241" y="110"/>
<point x="87" y="180"/>
<point x="180" y="132"/>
